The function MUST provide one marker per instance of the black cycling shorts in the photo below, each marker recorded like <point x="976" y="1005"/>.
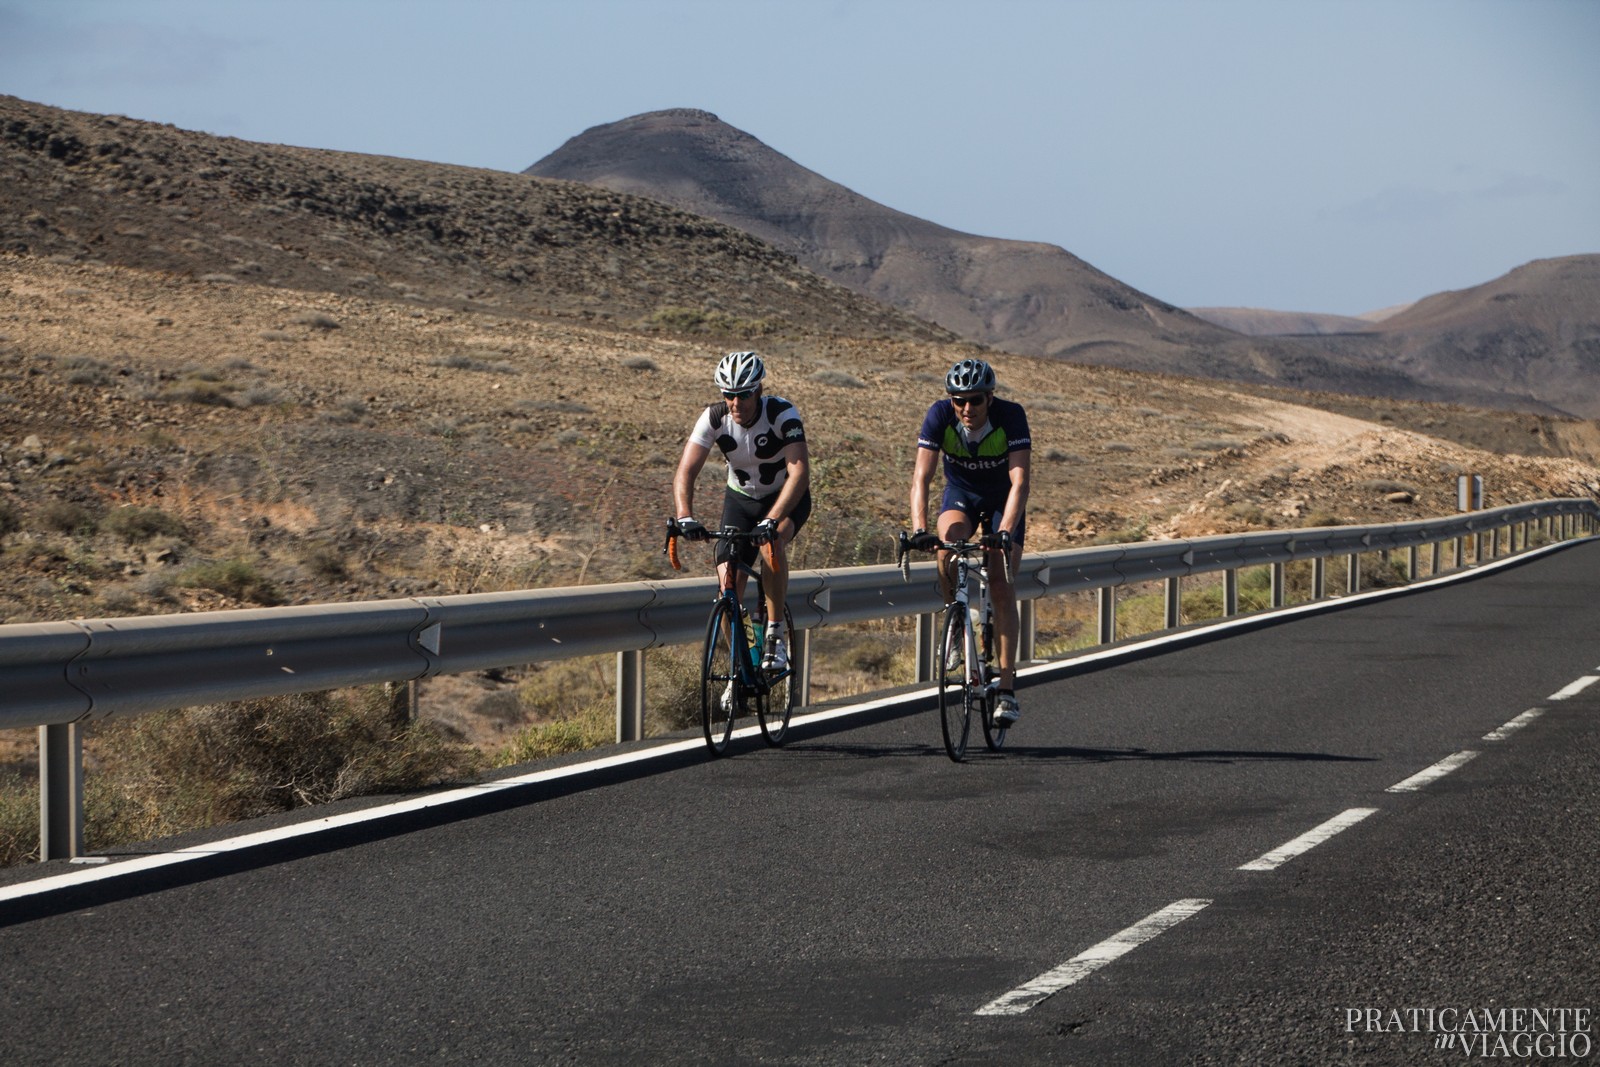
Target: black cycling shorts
<point x="743" y="512"/>
<point x="982" y="510"/>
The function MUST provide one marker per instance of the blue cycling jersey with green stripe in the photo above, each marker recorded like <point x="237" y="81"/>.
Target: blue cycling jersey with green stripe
<point x="981" y="465"/>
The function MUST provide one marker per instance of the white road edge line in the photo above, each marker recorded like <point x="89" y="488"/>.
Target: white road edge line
<point x="1432" y="774"/>
<point x="1514" y="725"/>
<point x="1308" y="840"/>
<point x="117" y="868"/>
<point x="1575" y="688"/>
<point x="1090" y="960"/>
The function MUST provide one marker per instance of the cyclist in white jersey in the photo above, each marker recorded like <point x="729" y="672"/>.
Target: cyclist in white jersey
<point x="769" y="482"/>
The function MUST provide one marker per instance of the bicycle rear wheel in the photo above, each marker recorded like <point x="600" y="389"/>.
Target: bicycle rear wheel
<point x="955" y="697"/>
<point x="776" y="704"/>
<point x="721" y="693"/>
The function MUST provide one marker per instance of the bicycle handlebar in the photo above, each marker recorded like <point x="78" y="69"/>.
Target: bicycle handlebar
<point x="985" y="543"/>
<point x="727" y="533"/>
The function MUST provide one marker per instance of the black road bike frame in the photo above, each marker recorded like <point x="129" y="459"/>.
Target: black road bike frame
<point x="732" y="683"/>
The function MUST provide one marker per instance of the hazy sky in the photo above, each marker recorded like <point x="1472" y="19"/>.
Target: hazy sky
<point x="1302" y="155"/>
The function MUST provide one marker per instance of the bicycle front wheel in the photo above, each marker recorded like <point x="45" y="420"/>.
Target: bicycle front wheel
<point x="955" y="696"/>
<point x="776" y="704"/>
<point x="993" y="736"/>
<point x="721" y="693"/>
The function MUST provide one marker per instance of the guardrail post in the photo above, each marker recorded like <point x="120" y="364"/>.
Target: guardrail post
<point x="1413" y="560"/>
<point x="630" y="695"/>
<point x="1027" y="630"/>
<point x="800" y="657"/>
<point x="1438" y="558"/>
<point x="1319" y="578"/>
<point x="60" y="792"/>
<point x="926" y="638"/>
<point x="1174" y="601"/>
<point x="402" y="697"/>
<point x="1352" y="578"/>
<point x="1230" y="592"/>
<point x="1280" y="587"/>
<point x="1106" y="604"/>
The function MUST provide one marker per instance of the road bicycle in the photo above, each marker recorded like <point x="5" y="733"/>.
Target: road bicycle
<point x="965" y="669"/>
<point x="731" y="678"/>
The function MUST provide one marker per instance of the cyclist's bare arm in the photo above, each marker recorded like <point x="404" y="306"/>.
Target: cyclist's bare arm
<point x="921" y="479"/>
<point x="798" y="459"/>
<point x="1019" y="469"/>
<point x="689" y="466"/>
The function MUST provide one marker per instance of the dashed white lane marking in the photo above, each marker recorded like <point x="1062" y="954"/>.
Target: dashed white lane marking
<point x="1575" y="688"/>
<point x="1308" y="840"/>
<point x="1087" y="962"/>
<point x="1432" y="774"/>
<point x="1514" y="725"/>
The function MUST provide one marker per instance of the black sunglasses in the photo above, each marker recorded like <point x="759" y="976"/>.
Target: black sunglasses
<point x="963" y="401"/>
<point x="739" y="395"/>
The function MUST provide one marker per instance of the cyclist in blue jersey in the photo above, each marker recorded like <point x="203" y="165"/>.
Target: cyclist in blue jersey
<point x="985" y="445"/>
<point x="769" y="482"/>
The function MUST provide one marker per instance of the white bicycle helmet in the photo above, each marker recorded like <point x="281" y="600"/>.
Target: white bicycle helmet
<point x="970" y="376"/>
<point x="739" y="371"/>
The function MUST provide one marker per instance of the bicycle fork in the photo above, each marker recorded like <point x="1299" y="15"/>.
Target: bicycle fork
<point x="977" y="638"/>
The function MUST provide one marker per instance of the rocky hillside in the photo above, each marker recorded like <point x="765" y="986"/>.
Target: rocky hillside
<point x="98" y="188"/>
<point x="1534" y="331"/>
<point x="1039" y="299"/>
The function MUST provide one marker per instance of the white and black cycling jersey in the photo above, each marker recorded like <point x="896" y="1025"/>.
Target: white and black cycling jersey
<point x="755" y="453"/>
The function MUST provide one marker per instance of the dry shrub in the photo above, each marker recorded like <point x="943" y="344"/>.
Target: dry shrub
<point x="19" y="819"/>
<point x="236" y="578"/>
<point x="142" y="523"/>
<point x="173" y="771"/>
<point x="588" y="727"/>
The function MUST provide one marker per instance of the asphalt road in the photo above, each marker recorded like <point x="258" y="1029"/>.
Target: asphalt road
<point x="857" y="898"/>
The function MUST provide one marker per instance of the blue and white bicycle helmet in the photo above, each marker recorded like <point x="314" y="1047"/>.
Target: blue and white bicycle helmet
<point x="739" y="371"/>
<point x="970" y="376"/>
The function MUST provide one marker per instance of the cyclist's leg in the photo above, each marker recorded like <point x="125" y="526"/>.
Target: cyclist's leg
<point x="956" y="522"/>
<point x="776" y="562"/>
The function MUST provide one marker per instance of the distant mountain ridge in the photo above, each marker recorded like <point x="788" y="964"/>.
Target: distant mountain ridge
<point x="1259" y="322"/>
<point x="1014" y="294"/>
<point x="1534" y="330"/>
<point x="1039" y="299"/>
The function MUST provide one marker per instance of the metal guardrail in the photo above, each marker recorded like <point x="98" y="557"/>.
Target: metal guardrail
<point x="58" y="675"/>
